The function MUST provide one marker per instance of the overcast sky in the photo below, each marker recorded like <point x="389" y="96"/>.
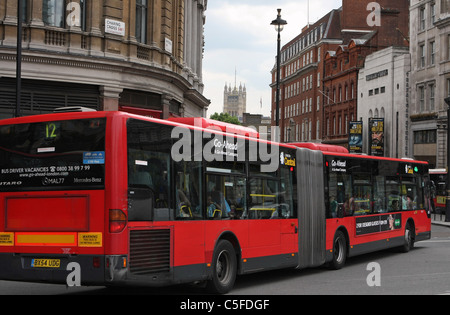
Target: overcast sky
<point x="238" y="35"/>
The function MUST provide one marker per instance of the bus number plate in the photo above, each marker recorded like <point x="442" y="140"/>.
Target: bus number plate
<point x="45" y="263"/>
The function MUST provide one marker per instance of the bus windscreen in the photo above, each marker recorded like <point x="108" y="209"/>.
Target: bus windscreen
<point x="54" y="155"/>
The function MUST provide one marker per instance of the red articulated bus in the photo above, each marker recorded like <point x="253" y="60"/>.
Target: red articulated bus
<point x="137" y="200"/>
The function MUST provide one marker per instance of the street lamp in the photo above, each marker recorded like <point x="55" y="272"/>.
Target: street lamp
<point x="19" y="59"/>
<point x="279" y="26"/>
<point x="447" y="210"/>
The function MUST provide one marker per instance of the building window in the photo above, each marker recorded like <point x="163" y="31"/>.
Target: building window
<point x="83" y="6"/>
<point x="445" y="6"/>
<point x="432" y="53"/>
<point x="318" y="129"/>
<point x="448" y="87"/>
<point x="432" y="13"/>
<point x="422" y="56"/>
<point x="448" y="47"/>
<point x="53" y="12"/>
<point x="421" y="99"/>
<point x="24" y="11"/>
<point x="432" y="94"/>
<point x="425" y="137"/>
<point x="141" y="21"/>
<point x="422" y="19"/>
<point x="333" y="130"/>
<point x="340" y="125"/>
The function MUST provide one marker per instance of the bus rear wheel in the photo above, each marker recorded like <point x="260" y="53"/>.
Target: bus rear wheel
<point x="408" y="239"/>
<point x="224" y="268"/>
<point x="339" y="251"/>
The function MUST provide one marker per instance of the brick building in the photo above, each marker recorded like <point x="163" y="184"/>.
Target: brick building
<point x="342" y="65"/>
<point x="301" y="79"/>
<point x="325" y="57"/>
<point x="106" y="55"/>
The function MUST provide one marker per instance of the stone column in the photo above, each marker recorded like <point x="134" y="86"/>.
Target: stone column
<point x="110" y="96"/>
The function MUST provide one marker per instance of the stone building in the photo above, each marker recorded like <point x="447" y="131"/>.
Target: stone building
<point x="383" y="93"/>
<point x="430" y="79"/>
<point x="132" y="55"/>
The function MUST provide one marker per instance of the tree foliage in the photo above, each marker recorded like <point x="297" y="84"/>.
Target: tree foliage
<point x="225" y="117"/>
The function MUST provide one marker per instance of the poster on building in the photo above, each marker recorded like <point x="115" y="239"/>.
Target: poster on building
<point x="376" y="136"/>
<point x="355" y="138"/>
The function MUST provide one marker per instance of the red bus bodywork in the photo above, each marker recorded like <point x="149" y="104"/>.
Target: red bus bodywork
<point x="90" y="227"/>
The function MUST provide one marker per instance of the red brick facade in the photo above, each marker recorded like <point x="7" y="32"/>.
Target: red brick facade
<point x="320" y="68"/>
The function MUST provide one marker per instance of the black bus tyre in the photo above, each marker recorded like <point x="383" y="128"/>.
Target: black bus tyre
<point x="408" y="239"/>
<point x="224" y="269"/>
<point x="339" y="251"/>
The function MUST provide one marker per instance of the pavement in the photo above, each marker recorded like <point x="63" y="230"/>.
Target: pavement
<point x="439" y="219"/>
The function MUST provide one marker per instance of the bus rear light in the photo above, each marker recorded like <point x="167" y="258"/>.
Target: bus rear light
<point x="96" y="262"/>
<point x="117" y="221"/>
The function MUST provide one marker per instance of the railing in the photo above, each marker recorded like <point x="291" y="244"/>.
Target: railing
<point x="55" y="38"/>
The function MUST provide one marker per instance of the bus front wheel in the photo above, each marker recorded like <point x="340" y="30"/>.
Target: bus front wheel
<point x="224" y="268"/>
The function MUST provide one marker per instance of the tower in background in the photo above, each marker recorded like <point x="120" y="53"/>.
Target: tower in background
<point x="235" y="100"/>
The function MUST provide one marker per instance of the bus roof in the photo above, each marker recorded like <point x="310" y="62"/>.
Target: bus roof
<point x="217" y="125"/>
<point x="321" y="147"/>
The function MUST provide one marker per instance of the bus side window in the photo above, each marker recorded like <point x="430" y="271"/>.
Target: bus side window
<point x="393" y="193"/>
<point x="263" y="198"/>
<point x="379" y="198"/>
<point x="225" y="197"/>
<point x="412" y="196"/>
<point x="188" y="190"/>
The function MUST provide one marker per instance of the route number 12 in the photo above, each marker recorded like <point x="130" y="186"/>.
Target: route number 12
<point x="50" y="131"/>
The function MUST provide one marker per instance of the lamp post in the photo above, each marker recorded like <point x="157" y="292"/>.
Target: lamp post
<point x="19" y="58"/>
<point x="447" y="204"/>
<point x="279" y="26"/>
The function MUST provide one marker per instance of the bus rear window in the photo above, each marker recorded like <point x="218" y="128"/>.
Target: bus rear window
<point x="56" y="155"/>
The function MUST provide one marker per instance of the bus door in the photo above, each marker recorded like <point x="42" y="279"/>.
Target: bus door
<point x="287" y="206"/>
<point x="264" y="226"/>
